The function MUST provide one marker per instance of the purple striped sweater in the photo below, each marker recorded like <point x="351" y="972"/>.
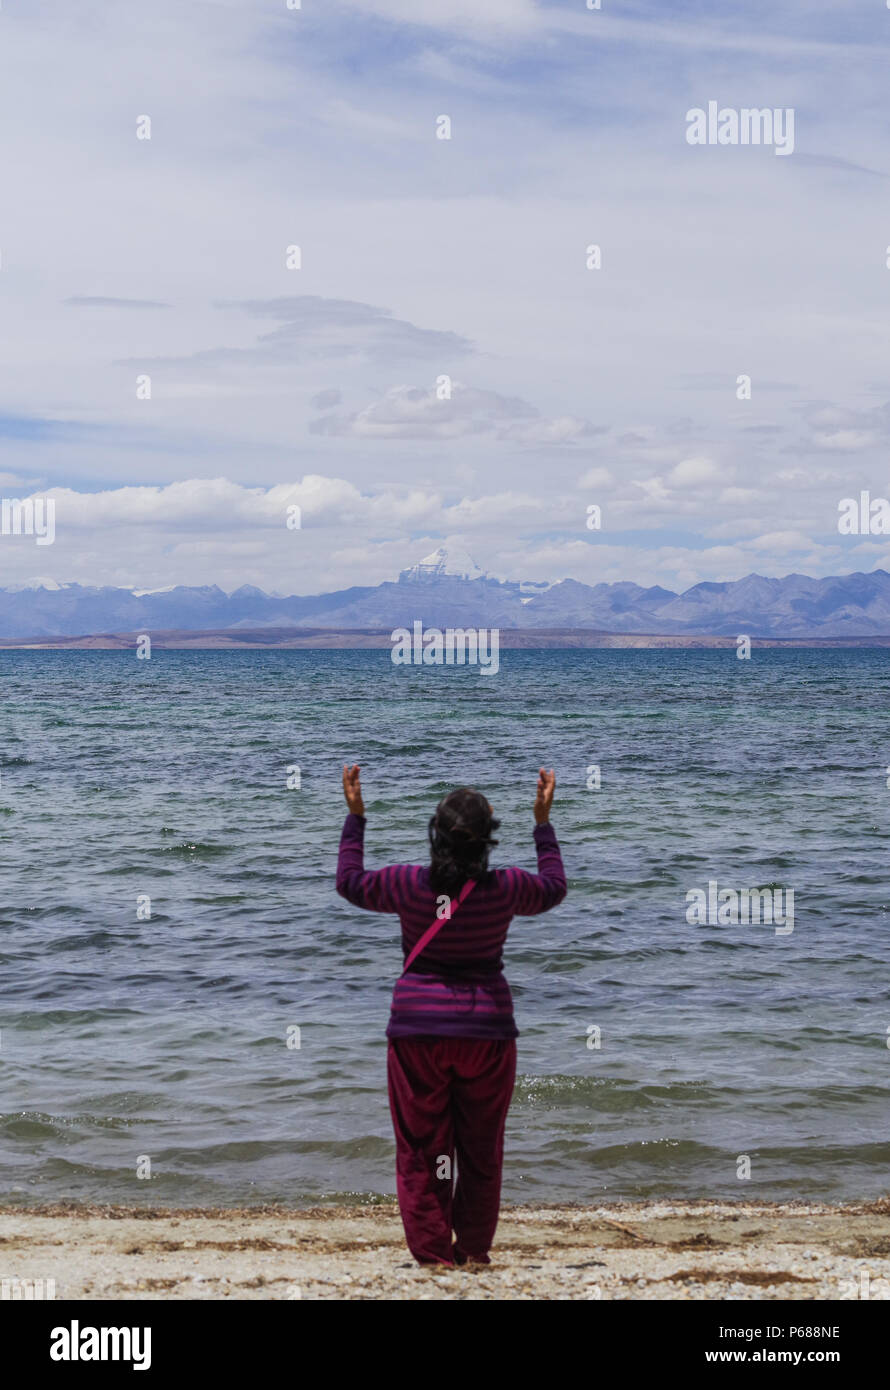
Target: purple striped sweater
<point x="455" y="988"/>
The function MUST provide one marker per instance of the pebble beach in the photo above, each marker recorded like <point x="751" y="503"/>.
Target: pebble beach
<point x="650" y="1251"/>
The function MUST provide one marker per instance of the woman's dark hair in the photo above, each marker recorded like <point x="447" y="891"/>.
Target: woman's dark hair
<point x="460" y="838"/>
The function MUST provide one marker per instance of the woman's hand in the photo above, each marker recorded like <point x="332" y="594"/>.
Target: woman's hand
<point x="544" y="799"/>
<point x="352" y="789"/>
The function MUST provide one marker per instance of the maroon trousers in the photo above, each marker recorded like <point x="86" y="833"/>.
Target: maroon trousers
<point x="449" y="1098"/>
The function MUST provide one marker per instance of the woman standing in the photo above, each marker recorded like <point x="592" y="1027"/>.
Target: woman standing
<point x="452" y="1038"/>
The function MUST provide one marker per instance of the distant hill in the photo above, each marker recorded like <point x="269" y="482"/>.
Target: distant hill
<point x="449" y="590"/>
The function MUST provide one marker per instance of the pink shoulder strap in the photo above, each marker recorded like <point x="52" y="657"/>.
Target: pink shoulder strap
<point x="439" y="923"/>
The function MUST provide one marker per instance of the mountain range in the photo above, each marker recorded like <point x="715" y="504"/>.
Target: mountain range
<point x="447" y="589"/>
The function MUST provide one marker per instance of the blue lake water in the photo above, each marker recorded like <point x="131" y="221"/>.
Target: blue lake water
<point x="167" y="1038"/>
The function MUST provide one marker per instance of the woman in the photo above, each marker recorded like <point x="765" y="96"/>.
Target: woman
<point x="451" y="1059"/>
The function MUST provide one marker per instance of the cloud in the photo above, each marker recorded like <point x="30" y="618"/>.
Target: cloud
<point x="564" y="429"/>
<point x="318" y="127"/>
<point x="411" y="412"/>
<point x="213" y="530"/>
<point x="844" y="441"/>
<point x="834" y="429"/>
<point x="694" y="472"/>
<point x="313" y="328"/>
<point x="223" y="506"/>
<point x="782" y="542"/>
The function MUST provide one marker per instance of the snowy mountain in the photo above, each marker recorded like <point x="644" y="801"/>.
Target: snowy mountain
<point x="451" y="564"/>
<point x="448" y="589"/>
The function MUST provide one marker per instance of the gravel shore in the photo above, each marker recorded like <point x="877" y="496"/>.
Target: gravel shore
<point x="653" y="1250"/>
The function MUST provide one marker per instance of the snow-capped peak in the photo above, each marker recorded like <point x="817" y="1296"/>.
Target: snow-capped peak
<point x="455" y="564"/>
<point x="51" y="584"/>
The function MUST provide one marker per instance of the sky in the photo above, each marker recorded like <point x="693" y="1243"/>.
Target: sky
<point x="442" y="367"/>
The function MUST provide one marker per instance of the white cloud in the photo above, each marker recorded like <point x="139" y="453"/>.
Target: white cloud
<point x="844" y="441"/>
<point x="782" y="542"/>
<point x="694" y="472"/>
<point x="413" y="412"/>
<point x="312" y="328"/>
<point x="223" y="506"/>
<point x="420" y="256"/>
